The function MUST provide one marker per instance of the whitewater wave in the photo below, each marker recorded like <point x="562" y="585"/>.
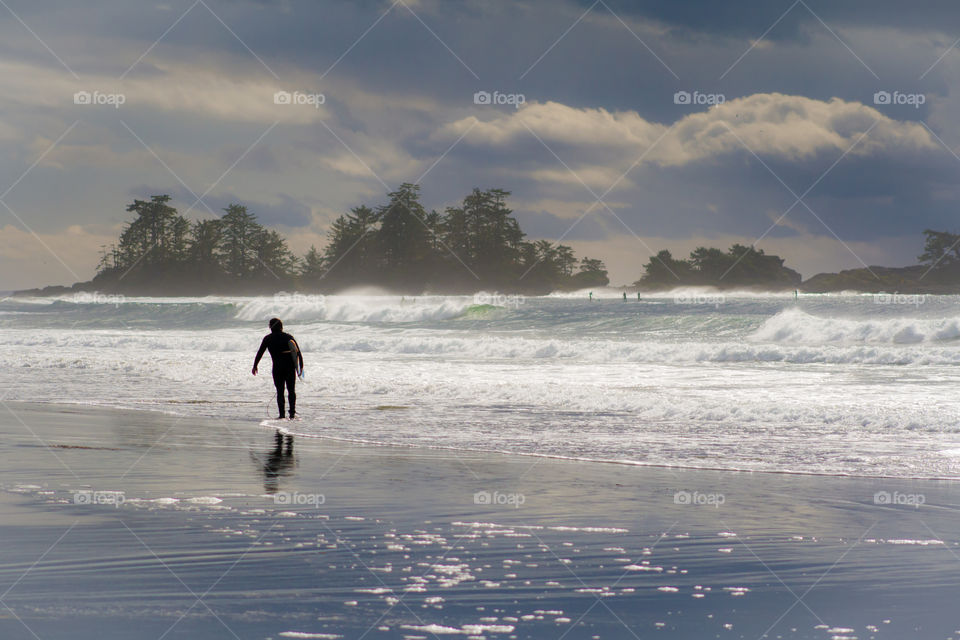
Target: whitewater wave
<point x="374" y="309"/>
<point x="320" y="340"/>
<point x="793" y="326"/>
<point x="95" y="310"/>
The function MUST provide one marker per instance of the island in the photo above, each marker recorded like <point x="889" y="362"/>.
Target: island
<point x="398" y="245"/>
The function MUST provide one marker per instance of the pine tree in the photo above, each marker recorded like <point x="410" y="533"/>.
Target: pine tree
<point x="404" y="239"/>
<point x="237" y="252"/>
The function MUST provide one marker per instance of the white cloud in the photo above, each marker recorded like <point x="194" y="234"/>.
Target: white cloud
<point x="793" y="128"/>
<point x="566" y="209"/>
<point x="27" y="261"/>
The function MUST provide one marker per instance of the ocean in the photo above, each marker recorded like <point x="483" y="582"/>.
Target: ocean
<point x="845" y="384"/>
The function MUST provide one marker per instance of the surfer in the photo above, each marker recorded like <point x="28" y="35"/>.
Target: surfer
<point x="287" y="359"/>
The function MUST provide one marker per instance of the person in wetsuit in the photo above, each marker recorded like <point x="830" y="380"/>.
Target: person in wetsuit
<point x="284" y="372"/>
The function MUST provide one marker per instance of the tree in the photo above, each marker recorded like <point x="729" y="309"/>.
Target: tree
<point x="352" y="254"/>
<point x="711" y="264"/>
<point x="664" y="271"/>
<point x="312" y="267"/>
<point x="155" y="240"/>
<point x="483" y="234"/>
<point x="565" y="260"/>
<point x="592" y="273"/>
<point x="739" y="266"/>
<point x="204" y="240"/>
<point x="941" y="248"/>
<point x="272" y="257"/>
<point x="404" y="239"/>
<point x="240" y="232"/>
<point x="398" y="244"/>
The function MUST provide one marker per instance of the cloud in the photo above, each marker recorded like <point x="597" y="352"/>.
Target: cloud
<point x="399" y="100"/>
<point x="792" y="128"/>
<point x="30" y="260"/>
<point x="564" y="209"/>
<point x="173" y="87"/>
<point x="750" y="18"/>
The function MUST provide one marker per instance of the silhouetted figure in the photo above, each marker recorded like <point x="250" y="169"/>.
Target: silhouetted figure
<point x="284" y="365"/>
<point x="279" y="462"/>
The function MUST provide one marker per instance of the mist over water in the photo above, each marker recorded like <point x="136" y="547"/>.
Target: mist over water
<point x="834" y="384"/>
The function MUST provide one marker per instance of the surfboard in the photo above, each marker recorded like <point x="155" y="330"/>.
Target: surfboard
<point x="295" y="354"/>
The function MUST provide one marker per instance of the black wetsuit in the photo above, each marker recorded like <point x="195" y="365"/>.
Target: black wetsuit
<point x="284" y="373"/>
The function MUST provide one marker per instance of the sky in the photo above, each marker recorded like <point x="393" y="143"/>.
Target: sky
<point x="824" y="132"/>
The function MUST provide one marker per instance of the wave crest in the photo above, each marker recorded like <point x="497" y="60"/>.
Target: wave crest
<point x="794" y="326"/>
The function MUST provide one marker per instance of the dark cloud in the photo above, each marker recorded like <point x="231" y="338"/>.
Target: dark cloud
<point x="785" y="19"/>
<point x="400" y="85"/>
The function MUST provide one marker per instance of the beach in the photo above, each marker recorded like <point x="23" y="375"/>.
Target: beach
<point x="426" y="320"/>
<point x="119" y="524"/>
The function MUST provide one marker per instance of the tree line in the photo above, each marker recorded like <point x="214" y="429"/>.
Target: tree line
<point x="475" y="245"/>
<point x="740" y="266"/>
<point x="743" y="266"/>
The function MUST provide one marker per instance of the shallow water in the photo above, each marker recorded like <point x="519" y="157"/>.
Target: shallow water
<point x="200" y="529"/>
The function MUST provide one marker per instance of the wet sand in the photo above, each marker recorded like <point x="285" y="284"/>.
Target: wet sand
<point x="121" y="524"/>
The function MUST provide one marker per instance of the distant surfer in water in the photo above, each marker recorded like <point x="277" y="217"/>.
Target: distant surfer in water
<point x="287" y="362"/>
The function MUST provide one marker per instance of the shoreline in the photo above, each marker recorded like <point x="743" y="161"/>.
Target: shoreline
<point x="626" y="463"/>
<point x="282" y="427"/>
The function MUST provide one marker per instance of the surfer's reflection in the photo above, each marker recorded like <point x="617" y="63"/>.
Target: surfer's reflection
<point x="279" y="462"/>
